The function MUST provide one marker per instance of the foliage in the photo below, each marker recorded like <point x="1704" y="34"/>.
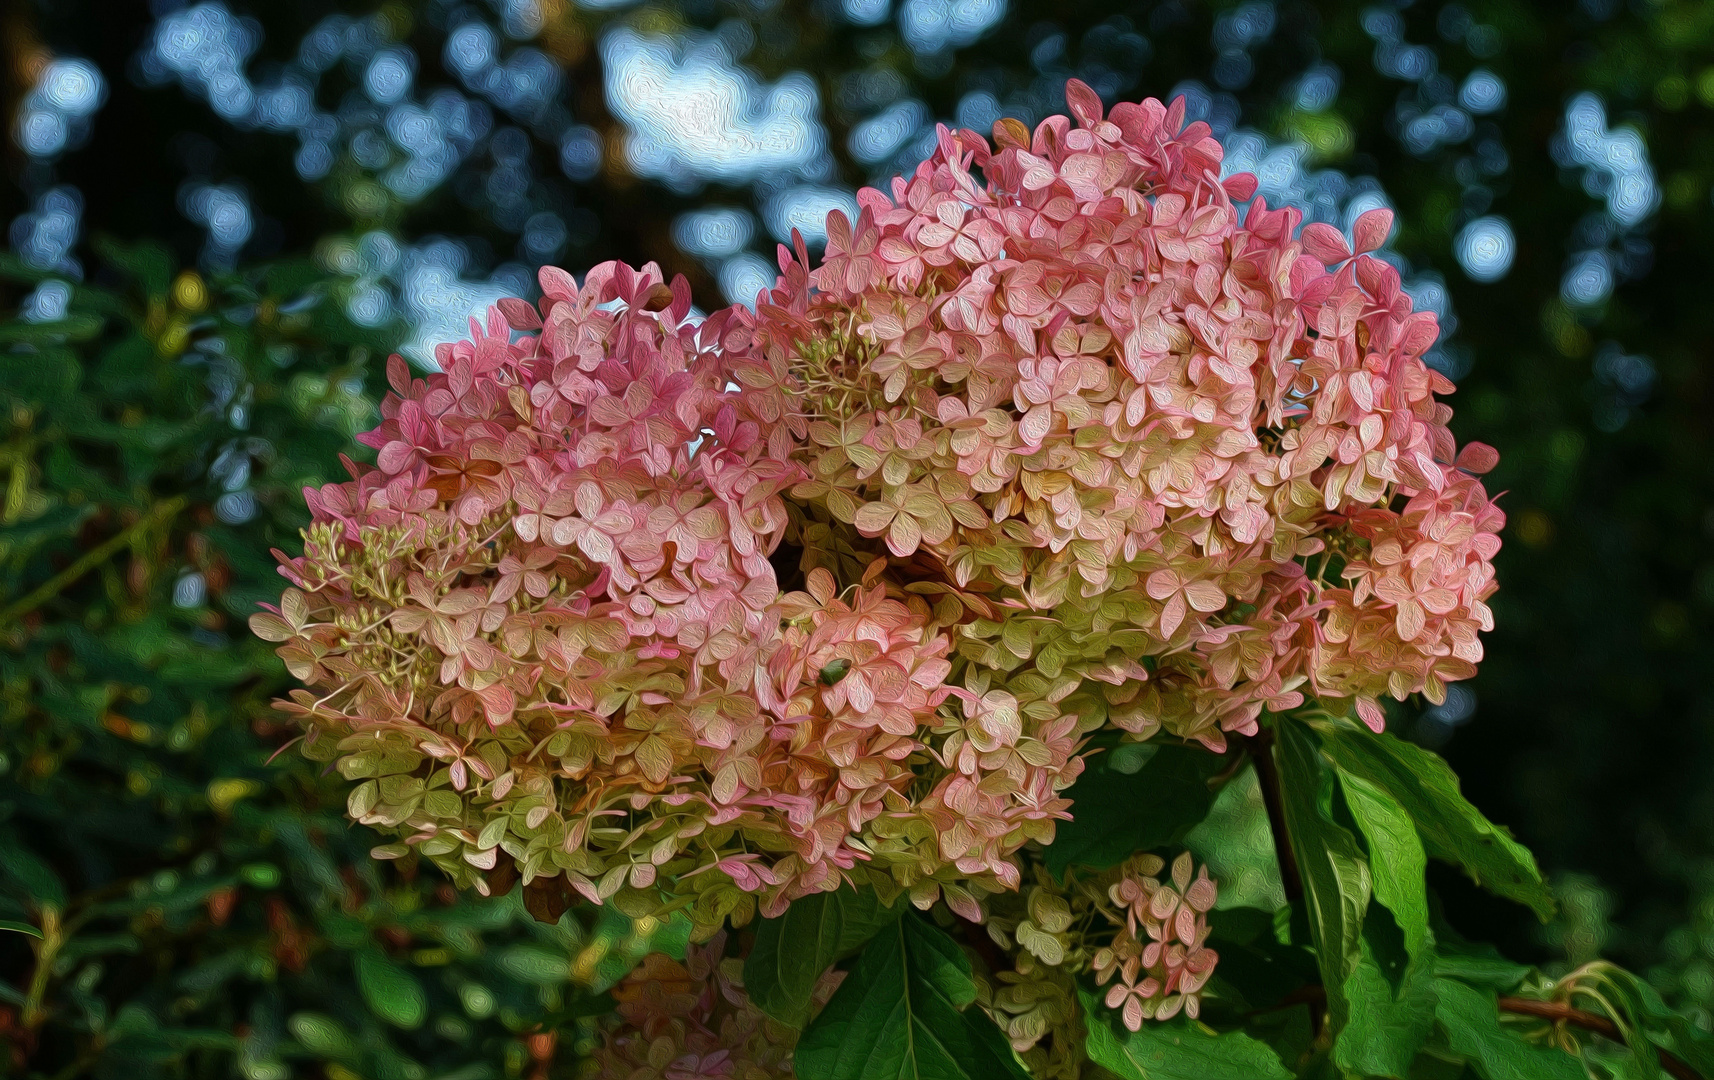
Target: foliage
<point x="191" y="908"/>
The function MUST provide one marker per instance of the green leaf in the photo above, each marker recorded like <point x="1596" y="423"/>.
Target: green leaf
<point x="793" y="950"/>
<point x="902" y="1014"/>
<point x="45" y="376"/>
<point x="392" y="993"/>
<point x="1451" y="829"/>
<point x="30" y="875"/>
<point x="322" y="1036"/>
<point x="1471" y="1020"/>
<point x="1180" y="1049"/>
<point x="1689" y="1042"/>
<point x="148" y="262"/>
<point x="1115" y="814"/>
<point x="73" y="327"/>
<point x="1289" y="1032"/>
<point x="534" y="965"/>
<point x="1396" y="859"/>
<point x="1392" y="999"/>
<point x="1646" y="1021"/>
<point x="1335" y="874"/>
<point x="1479" y="965"/>
<point x="20" y="927"/>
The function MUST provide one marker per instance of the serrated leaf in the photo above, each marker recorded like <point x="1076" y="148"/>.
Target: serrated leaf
<point x="1471" y="1020"/>
<point x="1397" y="863"/>
<point x="391" y="992"/>
<point x="1392" y="996"/>
<point x="904" y="1013"/>
<point x="1180" y="1049"/>
<point x="1116" y="814"/>
<point x="1335" y="874"/>
<point x="793" y="950"/>
<point x="1451" y="828"/>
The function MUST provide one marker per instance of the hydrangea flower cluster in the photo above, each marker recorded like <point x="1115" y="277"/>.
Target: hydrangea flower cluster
<point x="1170" y="437"/>
<point x="544" y="637"/>
<point x="693" y="1021"/>
<point x="661" y="610"/>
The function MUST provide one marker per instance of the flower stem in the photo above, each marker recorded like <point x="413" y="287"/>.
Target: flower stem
<point x="47" y="951"/>
<point x="1268" y="778"/>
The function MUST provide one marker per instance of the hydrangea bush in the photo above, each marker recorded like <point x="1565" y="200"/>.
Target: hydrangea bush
<point x="814" y="624"/>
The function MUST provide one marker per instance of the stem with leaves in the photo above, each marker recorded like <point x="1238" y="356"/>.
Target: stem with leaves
<point x="95" y="556"/>
<point x="47" y="951"/>
<point x="1561" y="1013"/>
<point x="1556" y="1012"/>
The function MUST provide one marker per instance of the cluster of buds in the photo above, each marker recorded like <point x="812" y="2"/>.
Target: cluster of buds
<point x="1125" y="926"/>
<point x="693" y="1021"/>
<point x="663" y="610"/>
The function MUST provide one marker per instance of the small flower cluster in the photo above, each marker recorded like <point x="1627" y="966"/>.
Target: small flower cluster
<point x="731" y="610"/>
<point x="1045" y="930"/>
<point x="693" y="1021"/>
<point x="1125" y="926"/>
<point x="1159" y="957"/>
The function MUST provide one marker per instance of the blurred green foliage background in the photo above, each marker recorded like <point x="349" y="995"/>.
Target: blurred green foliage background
<point x="224" y="215"/>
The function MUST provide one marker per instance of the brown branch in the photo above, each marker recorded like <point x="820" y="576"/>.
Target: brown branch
<point x="1268" y="776"/>
<point x="1555" y="1011"/>
<point x="1561" y="1013"/>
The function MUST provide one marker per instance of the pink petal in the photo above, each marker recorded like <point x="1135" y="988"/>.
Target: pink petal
<point x="1372" y="228"/>
<point x="520" y="315"/>
<point x="1478" y="458"/>
<point x="1325" y="243"/>
<point x="1085" y="103"/>
<point x="1240" y="186"/>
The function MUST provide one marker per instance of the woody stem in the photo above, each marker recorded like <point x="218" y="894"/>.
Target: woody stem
<point x="1268" y="778"/>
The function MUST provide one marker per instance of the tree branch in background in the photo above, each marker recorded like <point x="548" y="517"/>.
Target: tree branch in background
<point x="95" y="556"/>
